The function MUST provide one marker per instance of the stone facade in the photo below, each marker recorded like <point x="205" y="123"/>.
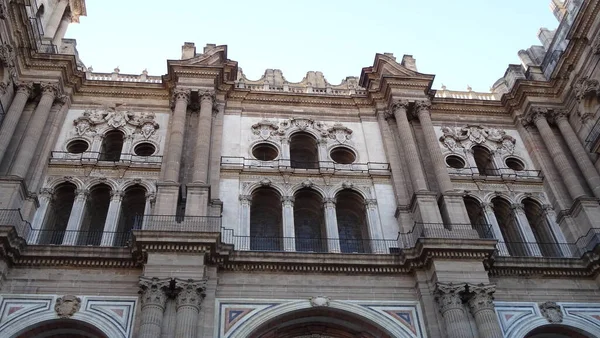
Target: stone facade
<point x="205" y="204"/>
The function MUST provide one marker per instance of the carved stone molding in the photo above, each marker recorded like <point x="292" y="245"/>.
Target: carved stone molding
<point x="400" y="104"/>
<point x="586" y="88"/>
<point x="49" y="89"/>
<point x="596" y="46"/>
<point x="142" y="124"/>
<point x="449" y="296"/>
<point x="288" y="200"/>
<point x="66" y="306"/>
<point x="265" y="129"/>
<point x="481" y="297"/>
<point x="180" y="94"/>
<point x="422" y="107"/>
<point x="189" y="292"/>
<point x="153" y="291"/>
<point x="319" y="301"/>
<point x="535" y="114"/>
<point x="552" y="312"/>
<point x="457" y="138"/>
<point x="7" y="55"/>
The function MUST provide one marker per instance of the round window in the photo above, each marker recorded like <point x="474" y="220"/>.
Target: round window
<point x="265" y="152"/>
<point x="455" y="162"/>
<point x="77" y="146"/>
<point x="514" y="164"/>
<point x="144" y="149"/>
<point x="342" y="155"/>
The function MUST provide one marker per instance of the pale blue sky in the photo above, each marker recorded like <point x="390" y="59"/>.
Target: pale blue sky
<point x="460" y="41"/>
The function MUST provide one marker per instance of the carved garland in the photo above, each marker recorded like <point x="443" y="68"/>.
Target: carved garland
<point x="143" y="123"/>
<point x="454" y="138"/>
<point x="266" y="129"/>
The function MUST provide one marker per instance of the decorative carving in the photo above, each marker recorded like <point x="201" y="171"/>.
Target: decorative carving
<point x="207" y="95"/>
<point x="303" y="124"/>
<point x="422" y="107"/>
<point x="288" y="200"/>
<point x="307" y="184"/>
<point x="340" y="133"/>
<point x="449" y="296"/>
<point x="265" y="182"/>
<point x="49" y="89"/>
<point x="535" y="114"/>
<point x="151" y="197"/>
<point x="180" y="94"/>
<point x="596" y="46"/>
<point x="481" y="297"/>
<point x="25" y="88"/>
<point x="552" y="312"/>
<point x="454" y="138"/>
<point x="153" y="291"/>
<point x="7" y="55"/>
<point x="245" y="199"/>
<point x="189" y="292"/>
<point x="116" y="194"/>
<point x="371" y="203"/>
<point x="329" y="202"/>
<point x="265" y="129"/>
<point x="347" y="185"/>
<point x="143" y="123"/>
<point x="586" y="88"/>
<point x="400" y="104"/>
<point x="3" y="11"/>
<point x="67" y="305"/>
<point x="319" y="301"/>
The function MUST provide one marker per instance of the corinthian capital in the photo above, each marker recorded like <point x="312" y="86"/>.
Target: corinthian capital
<point x="207" y="95"/>
<point x="49" y="89"/>
<point x="422" y="107"/>
<point x="449" y="296"/>
<point x="400" y="104"/>
<point x="535" y="114"/>
<point x="189" y="292"/>
<point x="153" y="291"/>
<point x="25" y="88"/>
<point x="481" y="297"/>
<point x="181" y="94"/>
<point x="559" y="115"/>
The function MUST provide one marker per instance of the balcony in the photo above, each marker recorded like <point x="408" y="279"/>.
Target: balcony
<point x="504" y="174"/>
<point x="246" y="164"/>
<point x="592" y="141"/>
<point x="97" y="158"/>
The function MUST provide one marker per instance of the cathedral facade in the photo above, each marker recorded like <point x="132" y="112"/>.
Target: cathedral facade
<point x="204" y="204"/>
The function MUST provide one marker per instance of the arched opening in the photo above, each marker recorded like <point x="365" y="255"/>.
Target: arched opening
<point x="62" y="328"/>
<point x="483" y="160"/>
<point x="557" y="331"/>
<point x="58" y="214"/>
<point x="477" y="217"/>
<point x="112" y="145"/>
<point x="319" y="322"/>
<point x="265" y="220"/>
<point x="309" y="222"/>
<point x="509" y="227"/>
<point x="351" y="217"/>
<point x="96" y="211"/>
<point x="303" y="151"/>
<point x="133" y="205"/>
<point x="541" y="229"/>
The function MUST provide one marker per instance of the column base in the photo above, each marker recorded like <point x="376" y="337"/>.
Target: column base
<point x="166" y="198"/>
<point x="197" y="199"/>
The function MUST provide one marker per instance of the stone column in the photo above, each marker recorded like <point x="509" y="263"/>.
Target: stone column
<point x="490" y="217"/>
<point x="481" y="304"/>
<point x="189" y="298"/>
<point x="55" y="17"/>
<point x="449" y="299"/>
<point x="244" y="232"/>
<point x="378" y="245"/>
<point x="112" y="218"/>
<point x="44" y="198"/>
<point x="203" y="133"/>
<point x="289" y="232"/>
<point x="181" y="98"/>
<point x="76" y="217"/>
<point x="153" y="299"/>
<point x="331" y="226"/>
<point x="537" y="116"/>
<point x="408" y="144"/>
<point x="13" y="115"/>
<point x="61" y="31"/>
<point x="34" y="131"/>
<point x="579" y="153"/>
<point x="150" y="200"/>
<point x="525" y="230"/>
<point x="284" y="158"/>
<point x="550" y="218"/>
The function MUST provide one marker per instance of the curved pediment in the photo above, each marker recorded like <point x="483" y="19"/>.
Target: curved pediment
<point x="385" y="65"/>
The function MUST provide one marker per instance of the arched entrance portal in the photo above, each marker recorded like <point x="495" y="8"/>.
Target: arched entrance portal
<point x="557" y="331"/>
<point x="323" y="322"/>
<point x="62" y="328"/>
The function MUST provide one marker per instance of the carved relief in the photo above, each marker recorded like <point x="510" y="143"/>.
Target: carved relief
<point x="552" y="312"/>
<point x="189" y="292"/>
<point x="266" y="130"/>
<point x="340" y="133"/>
<point x="319" y="301"/>
<point x="455" y="138"/>
<point x="66" y="306"/>
<point x="153" y="291"/>
<point x="586" y="88"/>
<point x="449" y="296"/>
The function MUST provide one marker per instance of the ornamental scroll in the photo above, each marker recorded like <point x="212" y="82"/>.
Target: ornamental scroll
<point x="455" y="138"/>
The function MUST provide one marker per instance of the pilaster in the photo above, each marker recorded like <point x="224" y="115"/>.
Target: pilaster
<point x="153" y="295"/>
<point x="481" y="304"/>
<point x="188" y="300"/>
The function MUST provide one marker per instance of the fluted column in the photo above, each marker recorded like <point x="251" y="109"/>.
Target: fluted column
<point x="34" y="131"/>
<point x="153" y="299"/>
<point x="13" y="115"/>
<point x="435" y="153"/>
<point x="203" y="133"/>
<point x="76" y="217"/>
<point x="289" y="231"/>
<point x="112" y="218"/>
<point x="481" y="304"/>
<point x="45" y="198"/>
<point x="409" y="146"/>
<point x="449" y="299"/>
<point x="245" y="202"/>
<point x="189" y="298"/>
<point x="331" y="226"/>
<point x="579" y="153"/>
<point x="181" y="97"/>
<point x="537" y="116"/>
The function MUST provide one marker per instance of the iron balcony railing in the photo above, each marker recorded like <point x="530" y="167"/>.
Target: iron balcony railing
<point x="532" y="249"/>
<point x="81" y="238"/>
<point x="505" y="173"/>
<point x="592" y="141"/>
<point x="178" y="223"/>
<point x="90" y="157"/>
<point x="282" y="164"/>
<point x="13" y="217"/>
<point x="441" y="230"/>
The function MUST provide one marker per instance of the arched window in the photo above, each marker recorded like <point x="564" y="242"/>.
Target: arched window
<point x="112" y="146"/>
<point x="303" y="151"/>
<point x="352" y="222"/>
<point x="133" y="205"/>
<point x="57" y="218"/>
<point x="477" y="217"/>
<point x="509" y="227"/>
<point x="540" y="228"/>
<point x="309" y="222"/>
<point x="96" y="210"/>
<point x="484" y="161"/>
<point x="265" y="220"/>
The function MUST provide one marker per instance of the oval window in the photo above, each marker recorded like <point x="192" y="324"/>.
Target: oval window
<point x="144" y="149"/>
<point x="514" y="164"/>
<point x="455" y="162"/>
<point x="342" y="155"/>
<point x="265" y="152"/>
<point x="77" y="146"/>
